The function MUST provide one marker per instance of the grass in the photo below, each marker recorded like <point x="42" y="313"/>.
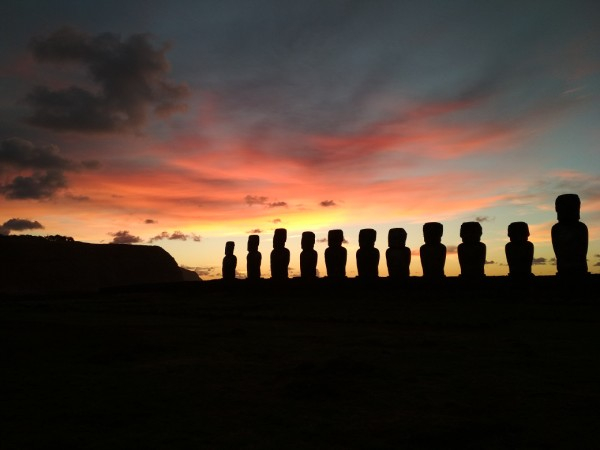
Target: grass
<point x="215" y="368"/>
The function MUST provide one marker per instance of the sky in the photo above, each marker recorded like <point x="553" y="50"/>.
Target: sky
<point x="186" y="124"/>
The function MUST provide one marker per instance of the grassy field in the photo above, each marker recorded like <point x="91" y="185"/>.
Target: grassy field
<point x="283" y="367"/>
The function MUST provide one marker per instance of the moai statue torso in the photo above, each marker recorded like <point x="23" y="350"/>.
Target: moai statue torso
<point x="367" y="256"/>
<point x="398" y="254"/>
<point x="433" y="252"/>
<point x="254" y="257"/>
<point x="570" y="237"/>
<point x="471" y="253"/>
<point x="335" y="255"/>
<point x="229" y="261"/>
<point x="280" y="256"/>
<point x="308" y="256"/>
<point x="519" y="251"/>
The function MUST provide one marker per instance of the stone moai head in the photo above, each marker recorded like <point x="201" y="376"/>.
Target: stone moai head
<point x="229" y="246"/>
<point x="253" y="241"/>
<point x="432" y="232"/>
<point x="308" y="240"/>
<point x="279" y="238"/>
<point x="471" y="232"/>
<point x="518" y="232"/>
<point x="397" y="238"/>
<point x="335" y="238"/>
<point x="567" y="207"/>
<point x="367" y="237"/>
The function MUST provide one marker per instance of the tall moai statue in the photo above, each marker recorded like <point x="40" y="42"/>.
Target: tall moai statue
<point x="519" y="251"/>
<point x="433" y="252"/>
<point x="229" y="261"/>
<point x="471" y="253"/>
<point x="335" y="255"/>
<point x="308" y="256"/>
<point x="367" y="256"/>
<point x="398" y="254"/>
<point x="280" y="256"/>
<point x="254" y="257"/>
<point x="570" y="237"/>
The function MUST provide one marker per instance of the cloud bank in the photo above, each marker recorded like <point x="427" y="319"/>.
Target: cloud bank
<point x="129" y="77"/>
<point x="19" y="225"/>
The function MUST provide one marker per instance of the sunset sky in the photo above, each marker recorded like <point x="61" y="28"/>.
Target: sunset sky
<point x="186" y="124"/>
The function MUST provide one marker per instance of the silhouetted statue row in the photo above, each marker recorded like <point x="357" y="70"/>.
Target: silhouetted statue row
<point x="569" y="240"/>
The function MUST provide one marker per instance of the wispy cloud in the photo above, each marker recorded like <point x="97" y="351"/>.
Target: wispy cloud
<point x="175" y="236"/>
<point x="327" y="203"/>
<point x="278" y="205"/>
<point x="255" y="200"/>
<point x="124" y="237"/>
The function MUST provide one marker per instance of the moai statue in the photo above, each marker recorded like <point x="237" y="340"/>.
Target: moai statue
<point x="570" y="237"/>
<point x="471" y="253"/>
<point x="367" y="256"/>
<point x="308" y="256"/>
<point x="335" y="255"/>
<point x="398" y="254"/>
<point x="254" y="257"/>
<point x="433" y="252"/>
<point x="519" y="251"/>
<point x="229" y="261"/>
<point x="280" y="256"/>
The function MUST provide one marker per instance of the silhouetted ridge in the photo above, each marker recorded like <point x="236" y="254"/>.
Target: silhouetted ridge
<point x="34" y="264"/>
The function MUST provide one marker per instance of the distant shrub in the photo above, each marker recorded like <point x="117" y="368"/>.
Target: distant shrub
<point x="59" y="238"/>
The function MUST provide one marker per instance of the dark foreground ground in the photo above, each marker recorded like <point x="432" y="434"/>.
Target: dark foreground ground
<point x="204" y="366"/>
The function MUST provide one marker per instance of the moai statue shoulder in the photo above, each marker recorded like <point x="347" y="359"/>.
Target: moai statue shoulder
<point x="367" y="256"/>
<point x="254" y="257"/>
<point x="471" y="253"/>
<point x="308" y="256"/>
<point x="433" y="252"/>
<point x="280" y="256"/>
<point x="335" y="255"/>
<point x="519" y="251"/>
<point x="570" y="237"/>
<point x="398" y="254"/>
<point x="229" y="261"/>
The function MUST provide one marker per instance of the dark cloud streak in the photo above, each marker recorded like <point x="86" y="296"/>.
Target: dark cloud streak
<point x="175" y="236"/>
<point x="37" y="172"/>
